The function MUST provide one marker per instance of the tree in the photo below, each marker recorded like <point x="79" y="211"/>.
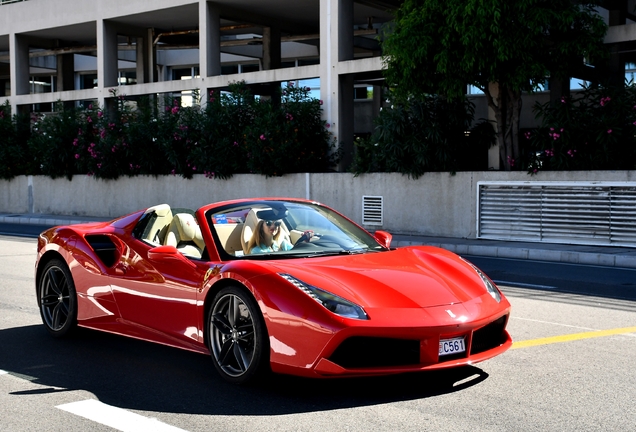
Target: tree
<point x="502" y="47"/>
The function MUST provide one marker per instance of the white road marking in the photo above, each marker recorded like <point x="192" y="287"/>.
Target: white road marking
<point x="116" y="418"/>
<point x="523" y="285"/>
<point x="553" y="323"/>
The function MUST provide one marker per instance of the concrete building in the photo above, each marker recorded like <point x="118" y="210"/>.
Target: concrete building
<point x="80" y="51"/>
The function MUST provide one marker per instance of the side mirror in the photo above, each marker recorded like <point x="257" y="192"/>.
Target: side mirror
<point x="168" y="253"/>
<point x="384" y="238"/>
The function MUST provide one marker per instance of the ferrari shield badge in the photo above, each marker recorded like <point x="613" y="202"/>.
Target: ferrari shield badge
<point x="212" y="271"/>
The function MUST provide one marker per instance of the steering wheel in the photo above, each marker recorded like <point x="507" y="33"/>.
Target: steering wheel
<point x="306" y="237"/>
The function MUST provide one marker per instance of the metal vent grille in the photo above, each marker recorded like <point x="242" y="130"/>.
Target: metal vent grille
<point x="577" y="213"/>
<point x="372" y="210"/>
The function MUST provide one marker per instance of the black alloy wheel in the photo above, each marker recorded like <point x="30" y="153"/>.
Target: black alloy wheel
<point x="237" y="336"/>
<point x="57" y="298"/>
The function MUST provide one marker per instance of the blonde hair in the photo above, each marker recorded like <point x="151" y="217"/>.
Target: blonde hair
<point x="258" y="237"/>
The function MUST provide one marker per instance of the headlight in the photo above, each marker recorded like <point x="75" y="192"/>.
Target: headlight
<point x="492" y="289"/>
<point x="330" y="301"/>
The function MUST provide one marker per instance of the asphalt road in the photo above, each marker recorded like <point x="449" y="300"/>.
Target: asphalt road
<point x="568" y="371"/>
<point x="21" y="230"/>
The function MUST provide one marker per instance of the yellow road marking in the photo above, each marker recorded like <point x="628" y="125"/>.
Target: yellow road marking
<point x="572" y="337"/>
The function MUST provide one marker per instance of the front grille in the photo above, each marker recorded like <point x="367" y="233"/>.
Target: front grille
<point x="490" y="336"/>
<point x="360" y="352"/>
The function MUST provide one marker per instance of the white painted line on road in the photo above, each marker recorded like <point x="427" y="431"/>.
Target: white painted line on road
<point x="553" y="323"/>
<point x="116" y="418"/>
<point x="523" y="285"/>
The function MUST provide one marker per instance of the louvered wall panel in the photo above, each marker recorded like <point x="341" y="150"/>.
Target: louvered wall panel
<point x="600" y="214"/>
<point x="372" y="210"/>
<point x="623" y="215"/>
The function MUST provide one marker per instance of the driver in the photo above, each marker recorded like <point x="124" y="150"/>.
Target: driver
<point x="267" y="238"/>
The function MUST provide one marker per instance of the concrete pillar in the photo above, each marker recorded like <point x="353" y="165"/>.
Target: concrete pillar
<point x="142" y="70"/>
<point x="271" y="59"/>
<point x="18" y="67"/>
<point x="336" y="44"/>
<point x="616" y="63"/>
<point x="345" y="30"/>
<point x="271" y="48"/>
<point x="150" y="58"/>
<point x="209" y="39"/>
<point x="107" y="62"/>
<point x="209" y="43"/>
<point x="65" y="72"/>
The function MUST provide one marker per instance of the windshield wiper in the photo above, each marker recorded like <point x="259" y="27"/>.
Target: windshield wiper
<point x="334" y="252"/>
<point x="307" y="254"/>
<point x="353" y="251"/>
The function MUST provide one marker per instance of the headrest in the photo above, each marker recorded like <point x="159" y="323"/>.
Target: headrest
<point x="187" y="226"/>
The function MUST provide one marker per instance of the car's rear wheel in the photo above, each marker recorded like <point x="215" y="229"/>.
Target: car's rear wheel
<point x="57" y="298"/>
<point x="237" y="336"/>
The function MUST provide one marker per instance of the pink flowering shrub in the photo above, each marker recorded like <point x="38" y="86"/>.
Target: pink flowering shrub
<point x="231" y="132"/>
<point x="51" y="143"/>
<point x="593" y="129"/>
<point x="242" y="134"/>
<point x="290" y="136"/>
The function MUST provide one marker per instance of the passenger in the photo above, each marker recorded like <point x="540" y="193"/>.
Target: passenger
<point x="267" y="238"/>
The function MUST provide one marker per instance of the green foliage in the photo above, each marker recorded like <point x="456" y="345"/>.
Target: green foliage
<point x="421" y="135"/>
<point x="52" y="142"/>
<point x="440" y="46"/>
<point x="502" y="47"/>
<point x="222" y="149"/>
<point x="596" y="129"/>
<point x="14" y="154"/>
<point x="240" y="133"/>
<point x="290" y="137"/>
<point x="234" y="133"/>
<point x="145" y="145"/>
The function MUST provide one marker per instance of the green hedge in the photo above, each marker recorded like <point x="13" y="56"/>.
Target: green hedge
<point x="235" y="133"/>
<point x="593" y="130"/>
<point x="433" y="134"/>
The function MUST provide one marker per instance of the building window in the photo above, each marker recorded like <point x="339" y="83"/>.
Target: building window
<point x="88" y="81"/>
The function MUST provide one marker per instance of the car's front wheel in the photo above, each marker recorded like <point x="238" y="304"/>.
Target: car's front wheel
<point x="237" y="336"/>
<point x="57" y="298"/>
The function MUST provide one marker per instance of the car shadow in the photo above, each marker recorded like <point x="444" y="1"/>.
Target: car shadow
<point x="138" y="375"/>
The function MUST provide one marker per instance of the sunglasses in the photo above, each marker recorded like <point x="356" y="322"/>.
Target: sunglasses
<point x="275" y="223"/>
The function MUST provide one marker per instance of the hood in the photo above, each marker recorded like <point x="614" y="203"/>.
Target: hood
<point x="413" y="277"/>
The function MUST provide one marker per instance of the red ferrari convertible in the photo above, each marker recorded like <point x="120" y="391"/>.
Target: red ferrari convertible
<point x="286" y="285"/>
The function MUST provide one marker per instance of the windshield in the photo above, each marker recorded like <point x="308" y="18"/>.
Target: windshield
<point x="278" y="229"/>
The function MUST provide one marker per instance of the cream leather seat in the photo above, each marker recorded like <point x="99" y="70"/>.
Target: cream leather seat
<point x="156" y="231"/>
<point x="184" y="234"/>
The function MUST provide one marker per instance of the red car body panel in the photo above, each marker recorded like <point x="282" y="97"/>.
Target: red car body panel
<point x="418" y="295"/>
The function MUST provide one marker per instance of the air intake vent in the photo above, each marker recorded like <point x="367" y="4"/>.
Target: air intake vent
<point x="372" y="210"/>
<point x="576" y="213"/>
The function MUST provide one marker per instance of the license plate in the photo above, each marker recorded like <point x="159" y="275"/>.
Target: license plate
<point x="451" y="346"/>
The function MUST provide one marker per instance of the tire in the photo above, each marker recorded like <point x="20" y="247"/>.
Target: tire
<point x="57" y="299"/>
<point x="237" y="336"/>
